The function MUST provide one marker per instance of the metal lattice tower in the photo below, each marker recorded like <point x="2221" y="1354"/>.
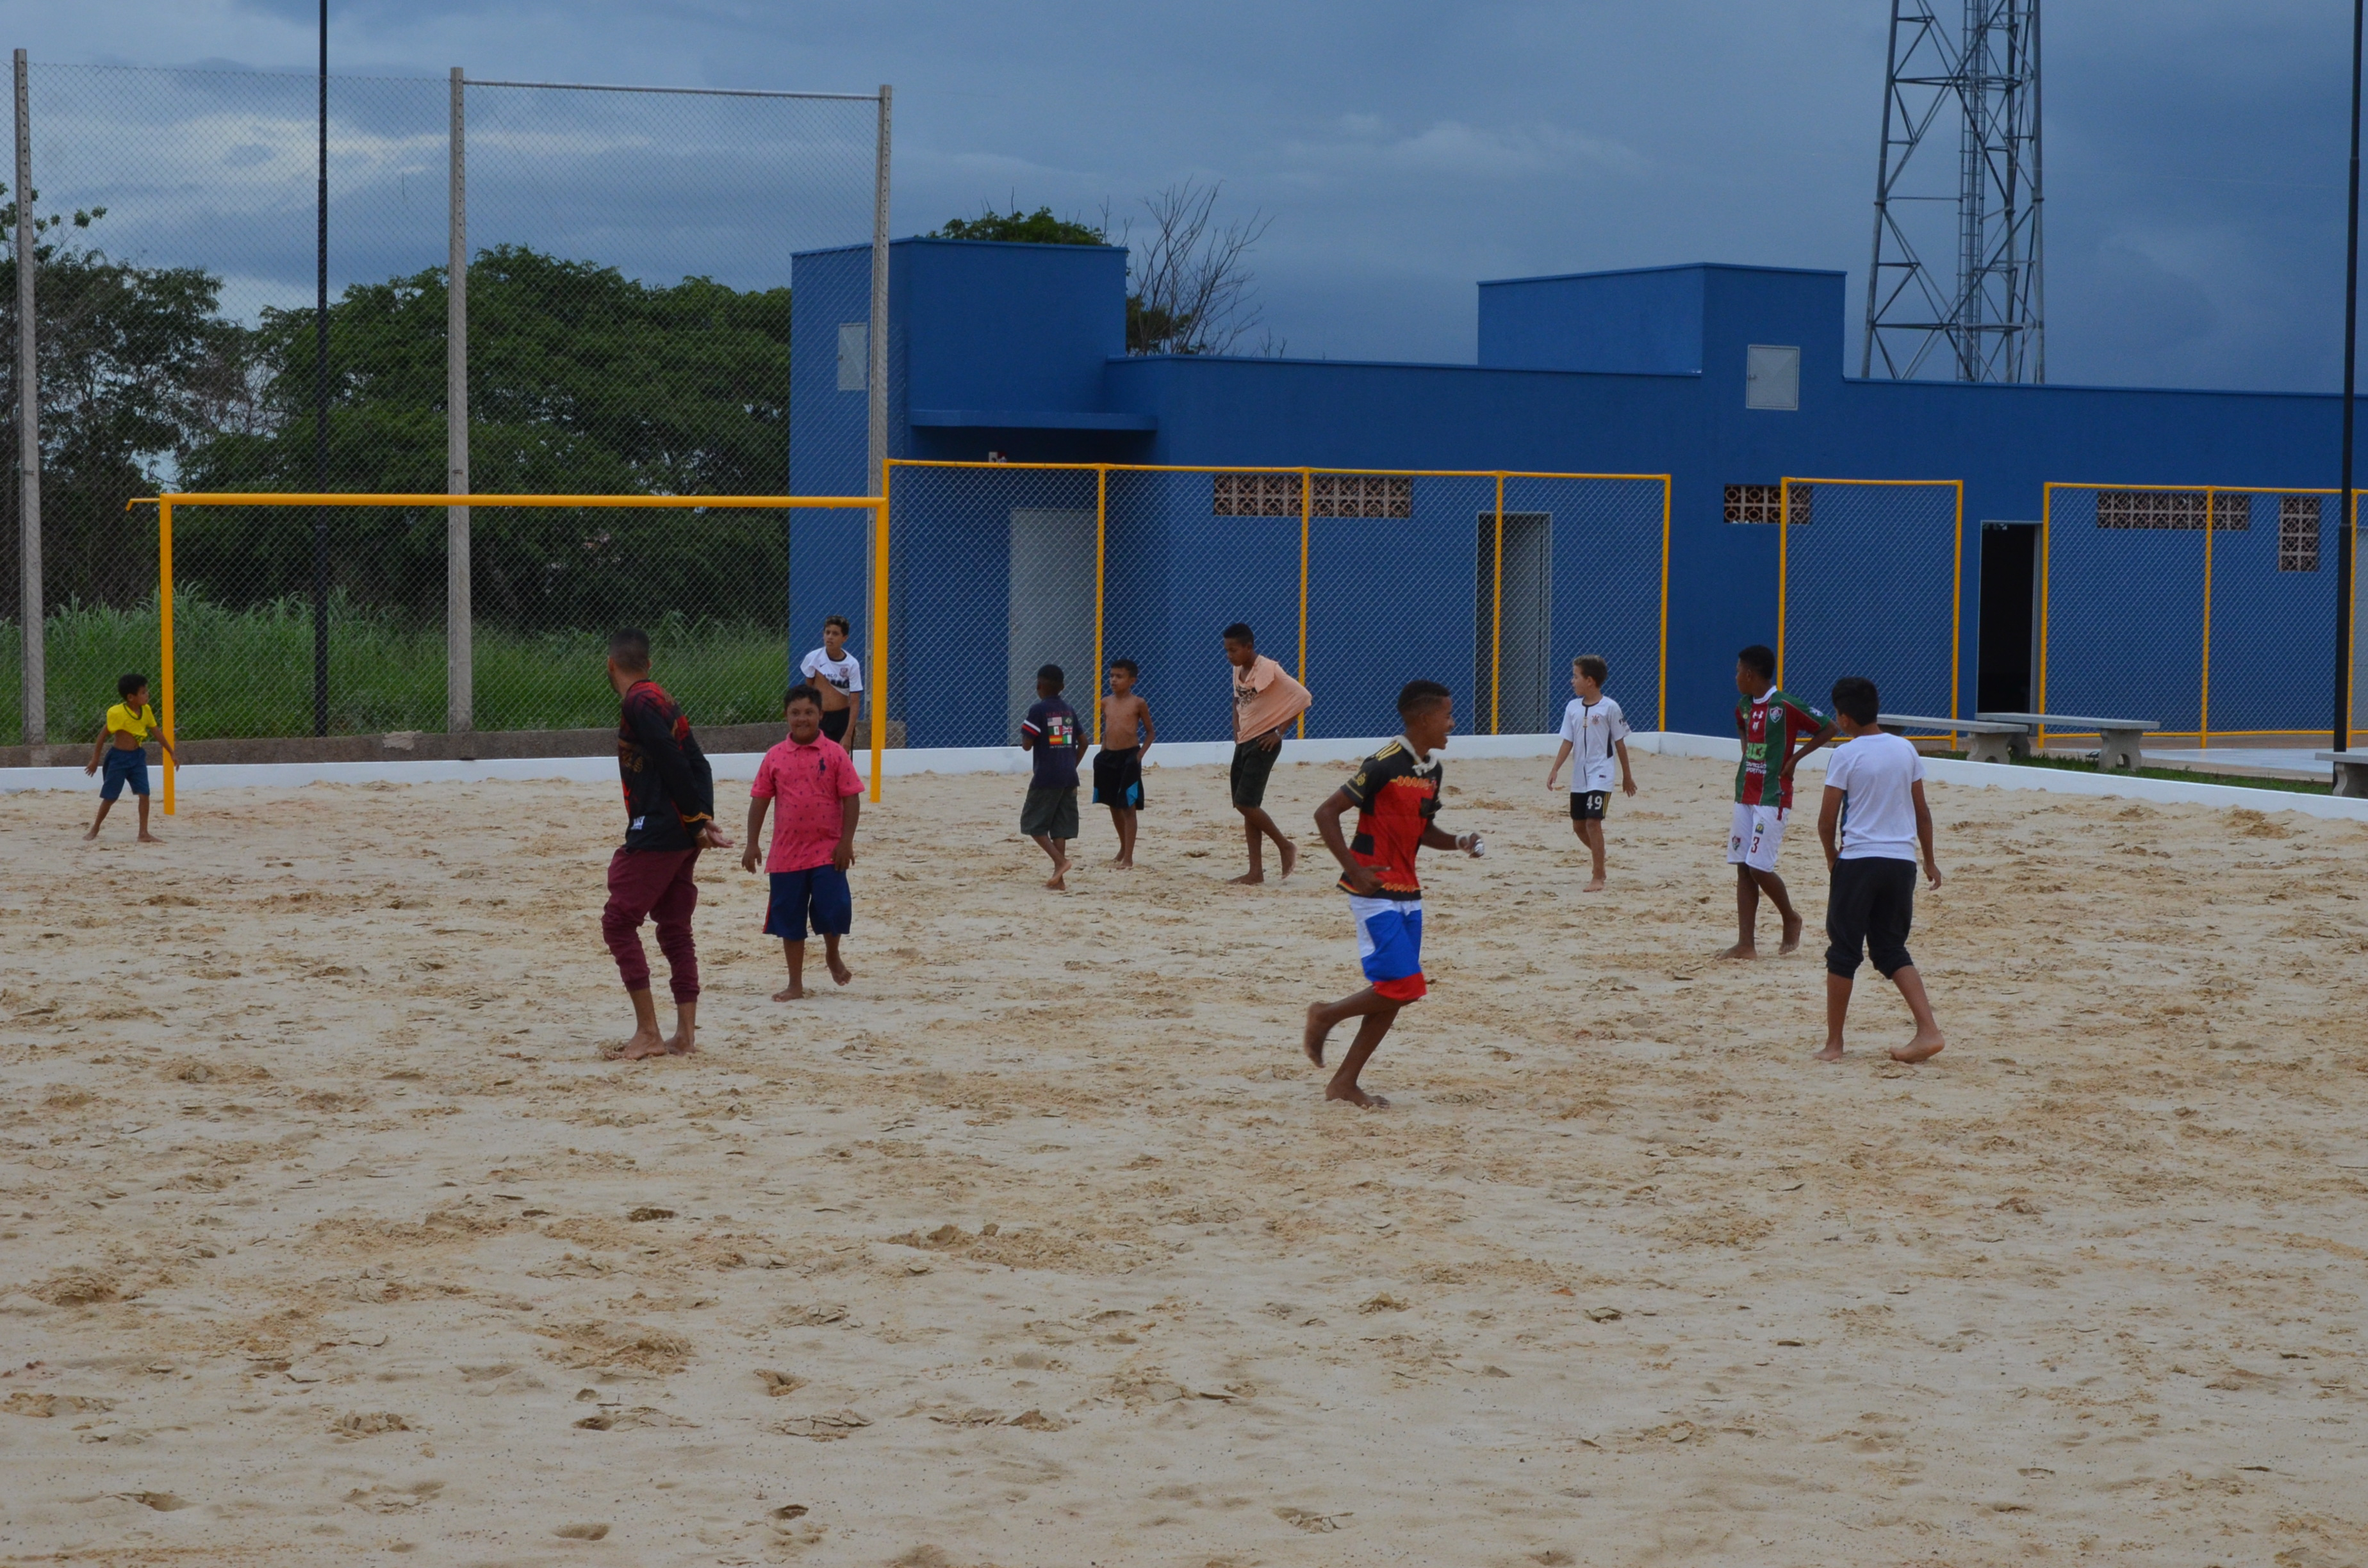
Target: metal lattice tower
<point x="1986" y="324"/>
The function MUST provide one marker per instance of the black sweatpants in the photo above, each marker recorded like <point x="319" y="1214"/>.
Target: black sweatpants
<point x="1873" y="903"/>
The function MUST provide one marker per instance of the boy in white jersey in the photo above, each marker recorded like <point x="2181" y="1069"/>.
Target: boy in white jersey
<point x="835" y="672"/>
<point x="1594" y="727"/>
<point x="1873" y="824"/>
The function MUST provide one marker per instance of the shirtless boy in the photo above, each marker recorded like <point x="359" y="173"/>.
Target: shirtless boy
<point x="1127" y="737"/>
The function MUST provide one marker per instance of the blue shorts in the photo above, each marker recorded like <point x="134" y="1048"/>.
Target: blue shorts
<point x="1389" y="944"/>
<point x="819" y="893"/>
<point x="123" y="768"/>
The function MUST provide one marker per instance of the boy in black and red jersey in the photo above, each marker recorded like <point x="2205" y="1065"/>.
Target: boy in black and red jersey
<point x="1395" y="791"/>
<point x="1767" y="721"/>
<point x="670" y="818"/>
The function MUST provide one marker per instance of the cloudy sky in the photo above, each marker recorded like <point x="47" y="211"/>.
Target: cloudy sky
<point x="2194" y="147"/>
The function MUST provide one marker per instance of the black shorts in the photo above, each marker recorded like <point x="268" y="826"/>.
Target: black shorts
<point x="833" y="724"/>
<point x="1252" y="762"/>
<point x="1587" y="806"/>
<point x="1873" y="903"/>
<point x="1050" y="813"/>
<point x="1117" y="779"/>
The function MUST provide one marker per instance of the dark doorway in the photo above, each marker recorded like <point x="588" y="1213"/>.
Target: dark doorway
<point x="1524" y="655"/>
<point x="2010" y="598"/>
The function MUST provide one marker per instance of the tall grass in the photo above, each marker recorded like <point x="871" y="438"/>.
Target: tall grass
<point x="249" y="673"/>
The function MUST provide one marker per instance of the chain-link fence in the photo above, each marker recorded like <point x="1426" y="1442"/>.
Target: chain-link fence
<point x="1872" y="584"/>
<point x="1355" y="582"/>
<point x="627" y="330"/>
<point x="2207" y="609"/>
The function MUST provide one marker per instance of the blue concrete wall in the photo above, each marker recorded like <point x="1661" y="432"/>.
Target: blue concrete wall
<point x="1639" y="372"/>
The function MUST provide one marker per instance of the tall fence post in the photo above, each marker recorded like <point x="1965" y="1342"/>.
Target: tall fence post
<point x="875" y="444"/>
<point x="29" y="432"/>
<point x="459" y="648"/>
<point x="164" y="643"/>
<point x="2203" y="688"/>
<point x="321" y="401"/>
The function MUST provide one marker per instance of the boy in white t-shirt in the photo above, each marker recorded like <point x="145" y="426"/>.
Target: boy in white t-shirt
<point x="1874" y="825"/>
<point x="834" y="672"/>
<point x="1596" y="731"/>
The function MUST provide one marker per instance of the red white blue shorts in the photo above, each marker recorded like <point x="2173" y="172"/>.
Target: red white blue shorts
<point x="1389" y="944"/>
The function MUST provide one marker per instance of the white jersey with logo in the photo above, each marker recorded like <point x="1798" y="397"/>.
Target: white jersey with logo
<point x="842" y="672"/>
<point x="1592" y="732"/>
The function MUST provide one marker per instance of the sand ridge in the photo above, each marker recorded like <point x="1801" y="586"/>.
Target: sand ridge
<point x="325" y="1228"/>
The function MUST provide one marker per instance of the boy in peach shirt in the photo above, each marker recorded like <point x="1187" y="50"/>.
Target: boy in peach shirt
<point x="813" y="839"/>
<point x="1266" y="700"/>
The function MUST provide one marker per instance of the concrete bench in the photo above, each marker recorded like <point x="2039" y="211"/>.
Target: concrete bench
<point x="1986" y="741"/>
<point x="2117" y="751"/>
<point x="2350" y="771"/>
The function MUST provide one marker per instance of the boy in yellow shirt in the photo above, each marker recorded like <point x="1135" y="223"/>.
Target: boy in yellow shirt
<point x="125" y="759"/>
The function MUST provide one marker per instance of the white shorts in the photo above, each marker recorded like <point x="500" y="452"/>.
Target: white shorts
<point x="1757" y="836"/>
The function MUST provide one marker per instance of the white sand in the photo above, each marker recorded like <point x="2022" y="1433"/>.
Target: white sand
<point x="319" y="1237"/>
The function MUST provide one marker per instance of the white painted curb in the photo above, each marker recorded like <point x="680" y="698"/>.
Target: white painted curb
<point x="2049" y="780"/>
<point x="731" y="767"/>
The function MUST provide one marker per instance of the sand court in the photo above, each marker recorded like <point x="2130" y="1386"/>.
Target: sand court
<point x="325" y="1229"/>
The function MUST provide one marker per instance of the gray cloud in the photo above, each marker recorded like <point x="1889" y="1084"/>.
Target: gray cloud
<point x="1405" y="150"/>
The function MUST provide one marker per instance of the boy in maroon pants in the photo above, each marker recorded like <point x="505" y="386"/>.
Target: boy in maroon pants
<point x="670" y="817"/>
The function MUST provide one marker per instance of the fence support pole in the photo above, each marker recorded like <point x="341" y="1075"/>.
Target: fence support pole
<point x="165" y="638"/>
<point x="2345" y="541"/>
<point x="29" y="433"/>
<point x="321" y="402"/>
<point x="1661" y="712"/>
<point x="1783" y="565"/>
<point x="459" y="647"/>
<point x="878" y="649"/>
<point x="877" y="394"/>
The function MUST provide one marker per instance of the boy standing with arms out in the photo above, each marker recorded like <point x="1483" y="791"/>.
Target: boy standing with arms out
<point x="1593" y="726"/>
<point x="1050" y="813"/>
<point x="1395" y="791"/>
<point x="834" y="672"/>
<point x="1266" y="700"/>
<point x="1874" y="824"/>
<point x="813" y="839"/>
<point x="1127" y="738"/>
<point x="122" y="748"/>
<point x="670" y="818"/>
<point x="1766" y="721"/>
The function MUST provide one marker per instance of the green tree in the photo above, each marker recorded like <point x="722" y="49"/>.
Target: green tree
<point x="136" y="371"/>
<point x="1039" y="227"/>
<point x="581" y="380"/>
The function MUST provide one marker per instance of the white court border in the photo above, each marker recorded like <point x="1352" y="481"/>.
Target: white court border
<point x="740" y="766"/>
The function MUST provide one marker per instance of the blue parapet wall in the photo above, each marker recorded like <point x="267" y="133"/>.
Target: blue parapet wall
<point x="1630" y="372"/>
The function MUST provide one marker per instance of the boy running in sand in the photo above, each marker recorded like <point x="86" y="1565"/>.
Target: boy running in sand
<point x="1050" y="813"/>
<point x="1395" y="791"/>
<point x="1127" y="738"/>
<point x="813" y="839"/>
<point x="1766" y="721"/>
<point x="122" y="748"/>
<point x="1874" y="824"/>
<point x="1593" y="727"/>
<point x="1266" y="700"/>
<point x="670" y="818"/>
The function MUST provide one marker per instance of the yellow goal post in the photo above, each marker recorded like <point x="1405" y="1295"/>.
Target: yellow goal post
<point x="164" y="503"/>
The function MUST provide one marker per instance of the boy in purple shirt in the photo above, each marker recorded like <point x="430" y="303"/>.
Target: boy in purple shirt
<point x="813" y="839"/>
<point x="1050" y="813"/>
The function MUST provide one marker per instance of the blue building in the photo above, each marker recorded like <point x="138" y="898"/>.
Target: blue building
<point x="1728" y="380"/>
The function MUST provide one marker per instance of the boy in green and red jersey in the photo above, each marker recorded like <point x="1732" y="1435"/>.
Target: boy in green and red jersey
<point x="1767" y="721"/>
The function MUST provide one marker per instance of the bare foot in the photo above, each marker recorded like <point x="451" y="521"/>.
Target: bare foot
<point x="1792" y="942"/>
<point x="1741" y="950"/>
<point x="1290" y="858"/>
<point x="1059" y="881"/>
<point x="147" y="838"/>
<point x="1833" y="1052"/>
<point x="1311" y="1039"/>
<point x="1246" y="879"/>
<point x="793" y="994"/>
<point x="840" y="973"/>
<point x="91" y="834"/>
<point x="644" y="1044"/>
<point x="1355" y="1097"/>
<point x="1923" y="1048"/>
<point x="1594" y="885"/>
<point x="681" y="1044"/>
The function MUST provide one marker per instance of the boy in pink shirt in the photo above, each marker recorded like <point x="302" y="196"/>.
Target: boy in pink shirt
<point x="813" y="839"/>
